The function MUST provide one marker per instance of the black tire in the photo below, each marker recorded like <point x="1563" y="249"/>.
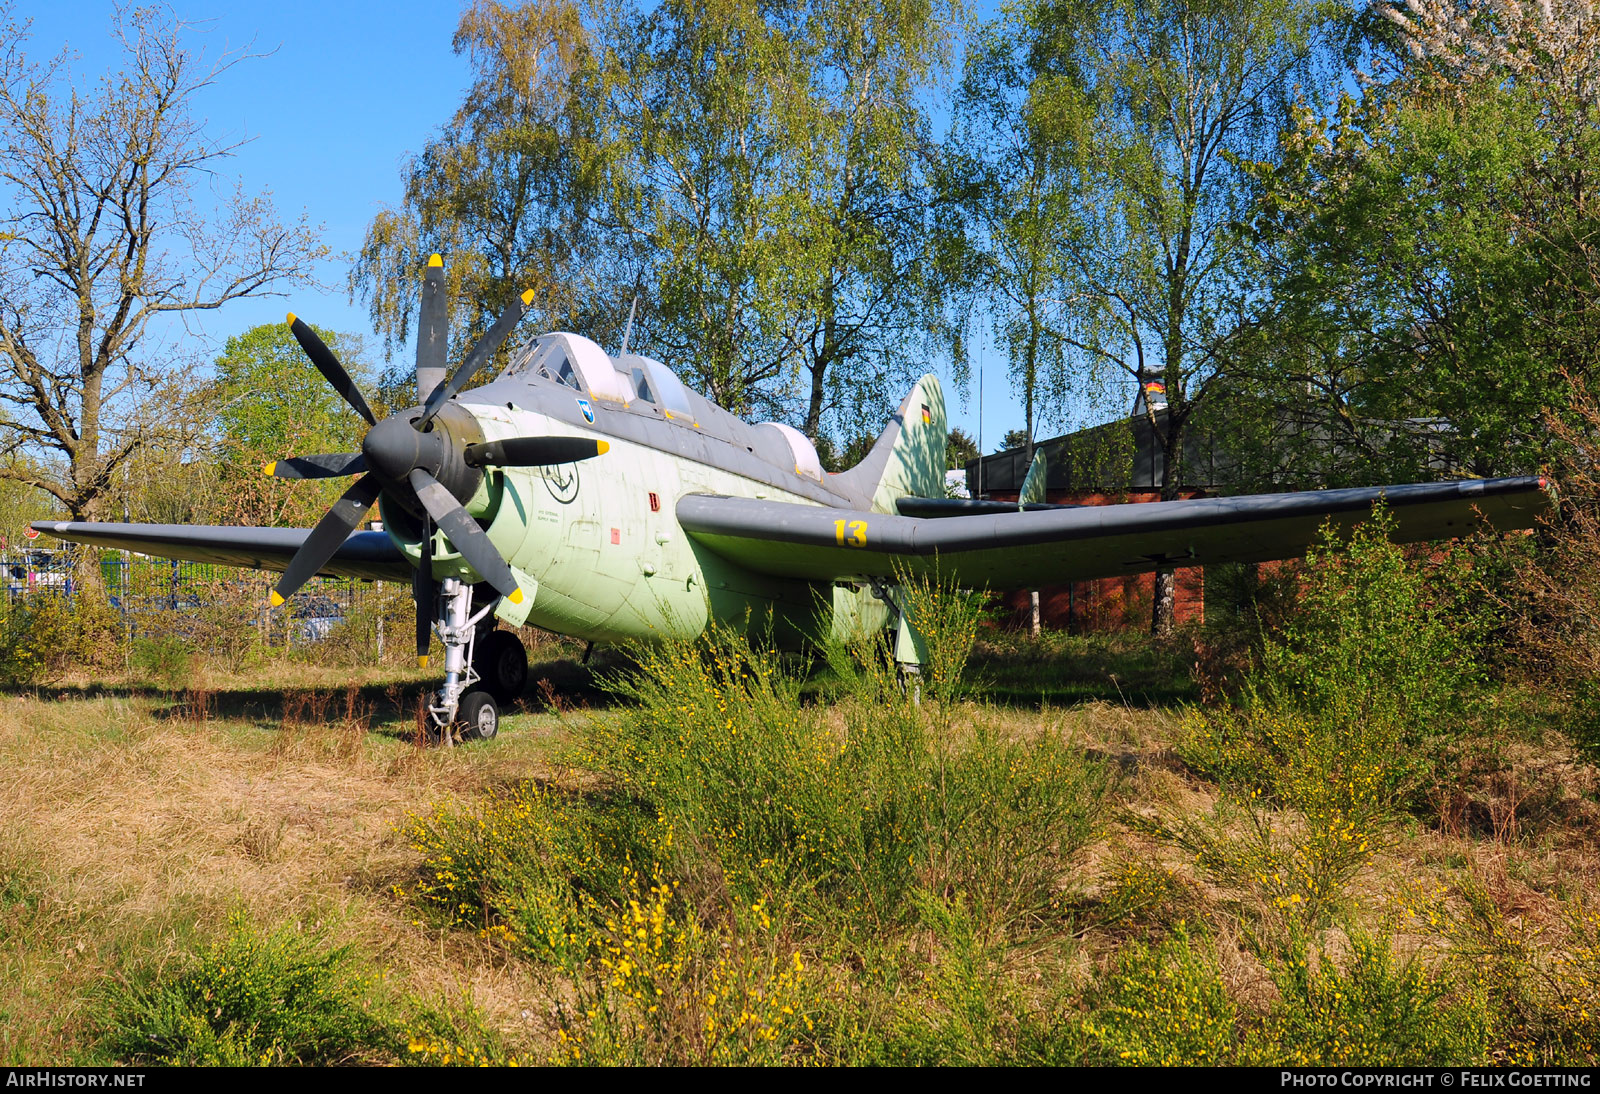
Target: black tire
<point x="479" y="716"/>
<point x="502" y="666"/>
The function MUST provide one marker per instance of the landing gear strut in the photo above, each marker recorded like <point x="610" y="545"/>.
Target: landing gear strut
<point x="458" y="706"/>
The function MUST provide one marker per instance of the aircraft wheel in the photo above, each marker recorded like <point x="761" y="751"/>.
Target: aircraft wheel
<point x="479" y="716"/>
<point x="502" y="665"/>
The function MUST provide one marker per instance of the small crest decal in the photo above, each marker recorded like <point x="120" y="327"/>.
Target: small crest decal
<point x="927" y="415"/>
<point x="588" y="411"/>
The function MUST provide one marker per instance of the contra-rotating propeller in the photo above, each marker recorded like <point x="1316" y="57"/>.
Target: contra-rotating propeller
<point x="404" y="454"/>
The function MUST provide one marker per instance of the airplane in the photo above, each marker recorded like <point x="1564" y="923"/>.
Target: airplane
<point x="599" y="497"/>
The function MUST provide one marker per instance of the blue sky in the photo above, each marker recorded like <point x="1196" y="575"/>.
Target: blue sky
<point x="340" y="95"/>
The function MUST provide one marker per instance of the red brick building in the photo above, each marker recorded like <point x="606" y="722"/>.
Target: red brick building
<point x="1107" y="465"/>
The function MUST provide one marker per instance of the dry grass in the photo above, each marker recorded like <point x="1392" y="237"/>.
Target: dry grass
<point x="132" y="822"/>
<point x="127" y="832"/>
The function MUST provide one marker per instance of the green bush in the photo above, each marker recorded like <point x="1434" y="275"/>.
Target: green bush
<point x="853" y="808"/>
<point x="253" y="998"/>
<point x="1363" y="682"/>
<point x="1342" y="721"/>
<point x="167" y="661"/>
<point x="1164" y="1005"/>
<point x="47" y="633"/>
<point x="1370" y="1009"/>
<point x="536" y="870"/>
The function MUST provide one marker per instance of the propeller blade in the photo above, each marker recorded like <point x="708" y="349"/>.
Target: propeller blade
<point x="422" y="593"/>
<point x="328" y="536"/>
<point x="330" y="466"/>
<point x="329" y="366"/>
<point x="479" y="353"/>
<point x="433" y="330"/>
<point x="464" y="532"/>
<point x="533" y="451"/>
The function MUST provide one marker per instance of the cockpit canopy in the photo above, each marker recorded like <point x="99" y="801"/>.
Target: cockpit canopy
<point x="580" y="364"/>
<point x="632" y="379"/>
<point x="573" y="360"/>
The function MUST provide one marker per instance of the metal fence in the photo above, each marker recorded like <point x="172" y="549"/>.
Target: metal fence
<point x="156" y="595"/>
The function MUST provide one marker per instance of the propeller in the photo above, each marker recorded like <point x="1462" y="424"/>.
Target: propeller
<point x="405" y="454"/>
<point x="533" y="451"/>
<point x="460" y="529"/>
<point x="422" y="592"/>
<point x="329" y="366"/>
<point x="433" y="330"/>
<point x="476" y="356"/>
<point x="332" y="466"/>
<point x="328" y="536"/>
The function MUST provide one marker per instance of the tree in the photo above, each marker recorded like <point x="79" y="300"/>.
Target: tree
<point x="272" y="403"/>
<point x="858" y="192"/>
<point x="960" y="449"/>
<point x="1160" y="105"/>
<point x="1005" y="183"/>
<point x="752" y="172"/>
<point x="510" y="188"/>
<point x="1429" y="260"/>
<point x="104" y="232"/>
<point x="1016" y="438"/>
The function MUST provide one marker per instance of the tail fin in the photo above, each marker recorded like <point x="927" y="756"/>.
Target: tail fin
<point x="1033" y="486"/>
<point x="908" y="459"/>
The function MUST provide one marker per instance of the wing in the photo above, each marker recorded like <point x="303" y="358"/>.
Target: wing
<point x="1021" y="550"/>
<point x="365" y="554"/>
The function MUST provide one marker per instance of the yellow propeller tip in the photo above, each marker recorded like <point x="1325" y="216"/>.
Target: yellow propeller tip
<point x="601" y="448"/>
<point x="435" y="260"/>
<point x="275" y="598"/>
<point x="268" y="468"/>
<point x="422" y="660"/>
<point x="527" y="298"/>
<point x="516" y="596"/>
<point x="291" y="319"/>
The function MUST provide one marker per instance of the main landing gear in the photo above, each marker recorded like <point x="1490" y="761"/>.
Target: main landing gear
<point x="479" y="676"/>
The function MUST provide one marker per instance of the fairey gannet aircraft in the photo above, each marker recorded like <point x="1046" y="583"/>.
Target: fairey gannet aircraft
<point x="598" y="497"/>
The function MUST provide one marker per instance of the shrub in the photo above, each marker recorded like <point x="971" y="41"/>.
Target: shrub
<point x="779" y="797"/>
<point x="665" y="989"/>
<point x="47" y="632"/>
<point x="250" y="999"/>
<point x="167" y="661"/>
<point x="1539" y="981"/>
<point x="1341" y="722"/>
<point x="1556" y="603"/>
<point x="1360" y="685"/>
<point x="532" y="868"/>
<point x="957" y="1005"/>
<point x="1162" y="1005"/>
<point x="948" y="620"/>
<point x="1371" y="1009"/>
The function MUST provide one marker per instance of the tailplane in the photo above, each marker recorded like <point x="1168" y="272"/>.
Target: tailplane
<point x="908" y="459"/>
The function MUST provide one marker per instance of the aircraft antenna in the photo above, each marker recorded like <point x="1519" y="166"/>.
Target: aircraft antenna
<point x="628" y="330"/>
<point x="981" y="494"/>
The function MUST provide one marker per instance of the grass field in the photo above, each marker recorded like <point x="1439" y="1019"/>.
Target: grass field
<point x="736" y="859"/>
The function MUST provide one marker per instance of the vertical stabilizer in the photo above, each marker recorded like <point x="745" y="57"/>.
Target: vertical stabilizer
<point x="1033" y="486"/>
<point x="908" y="459"/>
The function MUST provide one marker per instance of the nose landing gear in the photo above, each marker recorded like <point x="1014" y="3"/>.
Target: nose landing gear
<point x="462" y="709"/>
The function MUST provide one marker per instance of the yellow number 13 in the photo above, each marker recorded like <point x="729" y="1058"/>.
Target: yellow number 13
<point x="857" y="533"/>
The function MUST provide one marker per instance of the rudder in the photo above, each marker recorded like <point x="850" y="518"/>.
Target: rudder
<point x="908" y="459"/>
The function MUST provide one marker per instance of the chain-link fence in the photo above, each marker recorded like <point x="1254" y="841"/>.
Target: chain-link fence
<point x="158" y="597"/>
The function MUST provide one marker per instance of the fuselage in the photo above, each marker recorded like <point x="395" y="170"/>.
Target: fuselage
<point x="600" y="539"/>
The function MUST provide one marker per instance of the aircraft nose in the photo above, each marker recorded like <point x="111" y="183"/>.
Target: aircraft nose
<point x="393" y="448"/>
